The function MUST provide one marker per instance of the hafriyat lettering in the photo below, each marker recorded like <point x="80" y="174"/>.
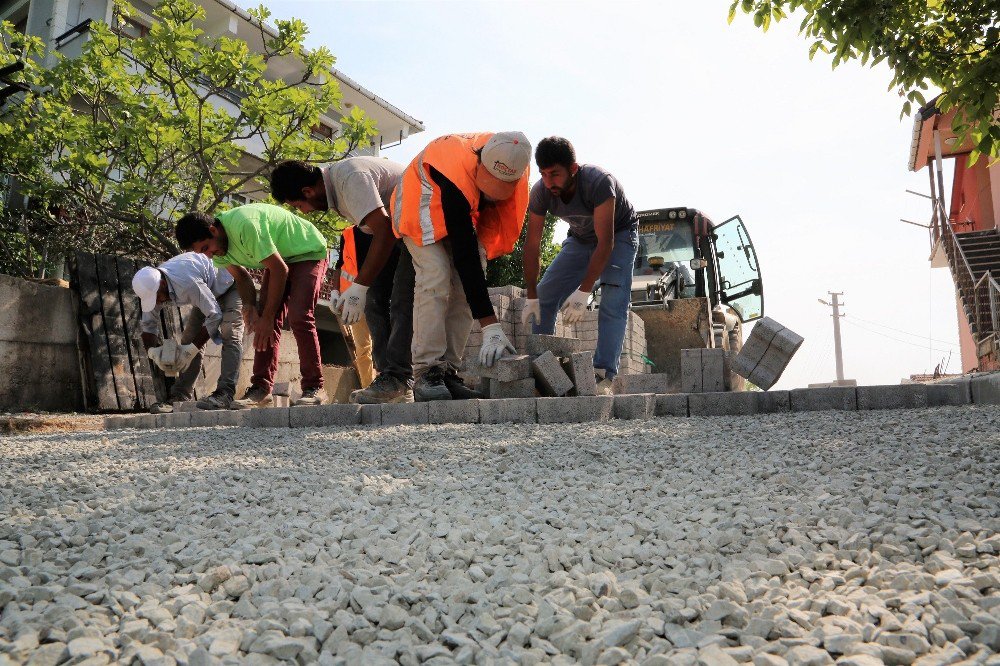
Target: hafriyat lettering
<point x="657" y="226"/>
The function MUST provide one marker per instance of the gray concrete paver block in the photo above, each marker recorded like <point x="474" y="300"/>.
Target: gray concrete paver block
<point x="769" y="402"/>
<point x="186" y="406"/>
<point x="551" y="378"/>
<point x="521" y="388"/>
<point x="144" y="421"/>
<point x="944" y="395"/>
<point x="985" y="389"/>
<point x="115" y="422"/>
<point x="405" y="413"/>
<point x="510" y="410"/>
<point x="371" y="415"/>
<point x="205" y="418"/>
<point x="506" y="369"/>
<point x="892" y="396"/>
<point x="634" y="406"/>
<point x="453" y="411"/>
<point x="581" y="409"/>
<point x="174" y="420"/>
<point x="691" y="370"/>
<point x="579" y="367"/>
<point x="713" y="370"/>
<point x="658" y="383"/>
<point x="322" y="416"/>
<point x="722" y="404"/>
<point x="559" y="346"/>
<point x="675" y="404"/>
<point x="964" y="385"/>
<point x="266" y="417"/>
<point x="820" y="399"/>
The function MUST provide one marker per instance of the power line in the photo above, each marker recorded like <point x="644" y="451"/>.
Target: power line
<point x="899" y="330"/>
<point x="905" y="342"/>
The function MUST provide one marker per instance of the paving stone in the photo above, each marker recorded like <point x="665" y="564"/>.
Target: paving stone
<point x="820" y="399"/>
<point x="757" y="342"/>
<point x="174" y="420"/>
<point x="713" y="370"/>
<point x="944" y="395"/>
<point x="552" y="380"/>
<point x="204" y="418"/>
<point x="143" y="421"/>
<point x="658" y="383"/>
<point x="579" y="367"/>
<point x="371" y="415"/>
<point x="964" y="385"/>
<point x="266" y="417"/>
<point x="770" y="402"/>
<point x="892" y="396"/>
<point x="506" y="369"/>
<point x="634" y="406"/>
<point x="985" y="389"/>
<point x="559" y="346"/>
<point x="321" y="416"/>
<point x="281" y="388"/>
<point x="671" y="405"/>
<point x="116" y="422"/>
<point x="453" y="411"/>
<point x="691" y="370"/>
<point x="521" y="388"/>
<point x="186" y="406"/>
<point x="722" y="404"/>
<point x="405" y="413"/>
<point x="510" y="410"/>
<point x="581" y="409"/>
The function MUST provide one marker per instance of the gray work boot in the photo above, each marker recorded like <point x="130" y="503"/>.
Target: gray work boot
<point x="385" y="389"/>
<point x="430" y="386"/>
<point x="458" y="389"/>
<point x="310" y="397"/>
<point x="218" y="400"/>
<point x="256" y="396"/>
<point x="161" y="408"/>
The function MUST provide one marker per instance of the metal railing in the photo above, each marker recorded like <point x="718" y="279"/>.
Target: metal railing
<point x="980" y="298"/>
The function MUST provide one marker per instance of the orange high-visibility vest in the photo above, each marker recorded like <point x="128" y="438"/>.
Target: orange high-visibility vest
<point x="416" y="203"/>
<point x="349" y="271"/>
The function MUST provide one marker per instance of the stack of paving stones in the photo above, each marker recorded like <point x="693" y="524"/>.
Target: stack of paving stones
<point x="566" y="409"/>
<point x="508" y="303"/>
<point x="766" y="353"/>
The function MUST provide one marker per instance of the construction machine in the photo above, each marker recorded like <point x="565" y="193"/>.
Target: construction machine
<point x="694" y="284"/>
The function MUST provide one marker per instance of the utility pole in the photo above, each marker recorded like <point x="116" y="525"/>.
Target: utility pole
<point x="836" y="331"/>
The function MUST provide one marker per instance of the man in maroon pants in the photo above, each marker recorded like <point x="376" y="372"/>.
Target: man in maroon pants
<point x="292" y="253"/>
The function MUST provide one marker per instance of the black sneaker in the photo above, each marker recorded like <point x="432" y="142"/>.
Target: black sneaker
<point x="385" y="389"/>
<point x="458" y="389"/>
<point x="216" y="401"/>
<point x="254" y="397"/>
<point x="430" y="386"/>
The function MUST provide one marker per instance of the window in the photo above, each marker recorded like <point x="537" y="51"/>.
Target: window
<point x="322" y="132"/>
<point x="128" y="27"/>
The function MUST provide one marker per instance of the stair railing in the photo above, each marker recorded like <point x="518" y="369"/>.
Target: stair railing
<point x="977" y="297"/>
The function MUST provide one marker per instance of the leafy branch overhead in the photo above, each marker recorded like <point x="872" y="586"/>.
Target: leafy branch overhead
<point x="951" y="44"/>
<point x="110" y="146"/>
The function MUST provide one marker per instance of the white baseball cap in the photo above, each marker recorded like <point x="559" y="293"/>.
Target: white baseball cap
<point x="506" y="156"/>
<point x="146" y="284"/>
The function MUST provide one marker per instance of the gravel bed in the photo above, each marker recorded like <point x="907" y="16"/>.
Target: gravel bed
<point x="861" y="538"/>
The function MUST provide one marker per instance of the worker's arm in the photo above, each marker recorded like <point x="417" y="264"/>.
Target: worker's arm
<point x="604" y="229"/>
<point x="532" y="253"/>
<point x="383" y="241"/>
<point x="277" y="277"/>
<point x="208" y="304"/>
<point x="465" y="249"/>
<point x="247" y="291"/>
<point x="149" y="324"/>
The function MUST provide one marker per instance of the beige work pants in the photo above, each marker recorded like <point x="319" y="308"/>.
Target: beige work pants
<point x="442" y="319"/>
<point x="363" y="352"/>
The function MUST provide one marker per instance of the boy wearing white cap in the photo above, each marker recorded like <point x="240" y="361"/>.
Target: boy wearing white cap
<point x="461" y="201"/>
<point x="192" y="279"/>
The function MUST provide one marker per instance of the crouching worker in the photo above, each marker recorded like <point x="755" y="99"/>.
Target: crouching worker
<point x="292" y="253"/>
<point x="462" y="200"/>
<point x="191" y="279"/>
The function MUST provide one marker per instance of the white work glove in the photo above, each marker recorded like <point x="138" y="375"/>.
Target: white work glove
<point x="335" y="300"/>
<point x="185" y="354"/>
<point x="165" y="357"/>
<point x="353" y="303"/>
<point x="575" y="306"/>
<point x="532" y="313"/>
<point x="495" y="344"/>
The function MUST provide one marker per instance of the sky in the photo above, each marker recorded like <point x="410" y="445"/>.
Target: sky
<point x="687" y="110"/>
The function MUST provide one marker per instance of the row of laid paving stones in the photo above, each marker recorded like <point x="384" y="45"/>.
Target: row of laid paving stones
<point x="563" y="410"/>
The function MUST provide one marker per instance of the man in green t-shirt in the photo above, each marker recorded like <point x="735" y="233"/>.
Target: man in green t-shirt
<point x="293" y="254"/>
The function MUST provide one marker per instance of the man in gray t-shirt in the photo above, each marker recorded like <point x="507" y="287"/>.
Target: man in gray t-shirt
<point x="602" y="243"/>
<point x="359" y="189"/>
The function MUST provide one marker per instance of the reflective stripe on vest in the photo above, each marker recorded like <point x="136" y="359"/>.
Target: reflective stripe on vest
<point x="349" y="269"/>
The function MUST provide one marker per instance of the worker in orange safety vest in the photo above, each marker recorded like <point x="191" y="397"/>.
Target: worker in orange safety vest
<point x="461" y="201"/>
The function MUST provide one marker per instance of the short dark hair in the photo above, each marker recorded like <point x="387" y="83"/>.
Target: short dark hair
<point x="192" y="228"/>
<point x="553" y="150"/>
<point x="290" y="176"/>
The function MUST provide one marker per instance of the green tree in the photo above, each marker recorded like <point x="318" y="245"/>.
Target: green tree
<point x="952" y="44"/>
<point x="111" y="146"/>
<point x="509" y="269"/>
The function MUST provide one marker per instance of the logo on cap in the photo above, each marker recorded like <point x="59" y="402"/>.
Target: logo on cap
<point x="503" y="169"/>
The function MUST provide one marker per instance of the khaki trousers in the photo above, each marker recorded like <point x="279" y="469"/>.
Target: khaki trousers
<point x="442" y="319"/>
<point x="363" y="352"/>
